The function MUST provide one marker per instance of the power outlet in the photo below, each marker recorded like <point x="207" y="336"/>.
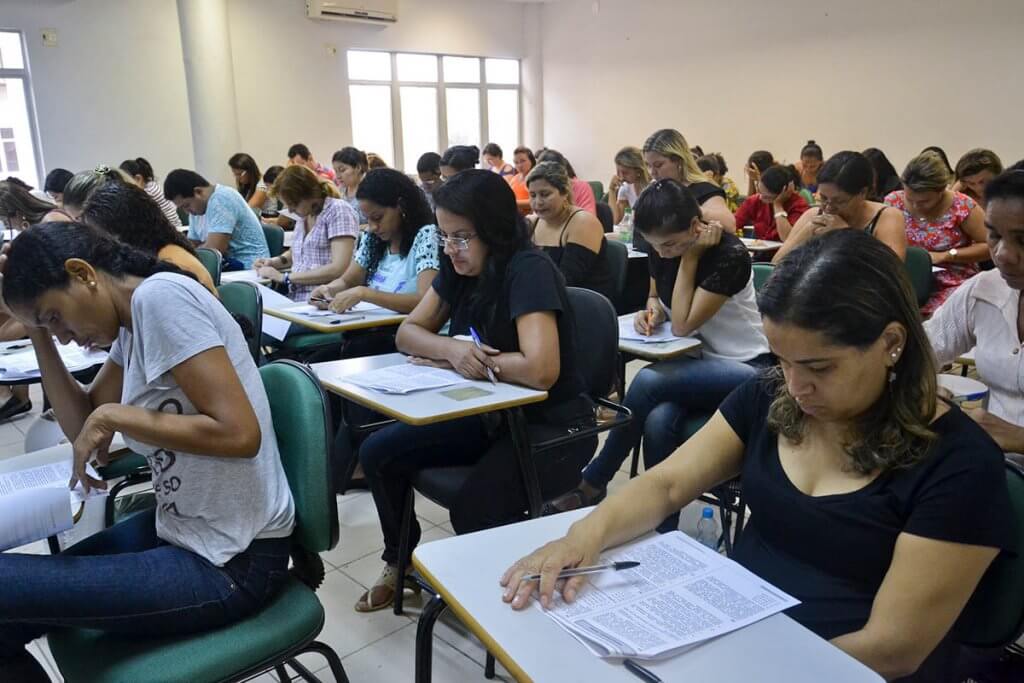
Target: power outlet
<point x="49" y="37"/>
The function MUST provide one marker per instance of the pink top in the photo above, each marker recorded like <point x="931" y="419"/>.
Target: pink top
<point x="583" y="195"/>
<point x="313" y="250"/>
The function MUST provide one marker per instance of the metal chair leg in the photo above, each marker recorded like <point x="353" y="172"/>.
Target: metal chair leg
<point x="403" y="550"/>
<point x="282" y="674"/>
<point x="489" y="667"/>
<point x="524" y="454"/>
<point x="333" y="660"/>
<point x="425" y="638"/>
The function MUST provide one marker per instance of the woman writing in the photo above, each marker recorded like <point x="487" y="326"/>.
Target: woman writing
<point x="181" y="387"/>
<point x="141" y="172"/>
<point x="350" y="167"/>
<point x="524" y="161"/>
<point x="856" y="476"/>
<point x="810" y="163"/>
<point x="974" y="171"/>
<point x="249" y="183"/>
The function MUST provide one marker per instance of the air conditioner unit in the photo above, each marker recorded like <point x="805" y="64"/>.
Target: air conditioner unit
<point x="371" y="11"/>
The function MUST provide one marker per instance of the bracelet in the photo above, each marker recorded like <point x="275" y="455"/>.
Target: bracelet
<point x="287" y="281"/>
<point x="781" y="214"/>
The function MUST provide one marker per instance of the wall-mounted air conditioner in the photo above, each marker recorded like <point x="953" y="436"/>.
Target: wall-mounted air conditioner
<point x="372" y="11"/>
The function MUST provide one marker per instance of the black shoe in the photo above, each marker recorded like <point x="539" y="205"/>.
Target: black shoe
<point x="14" y="406"/>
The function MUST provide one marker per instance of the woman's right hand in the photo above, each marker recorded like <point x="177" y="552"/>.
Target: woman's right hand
<point x="321" y="297"/>
<point x="260" y="262"/>
<point x="470" y="361"/>
<point x="613" y="187"/>
<point x="548" y="560"/>
<point x="823" y="223"/>
<point x="646" y="320"/>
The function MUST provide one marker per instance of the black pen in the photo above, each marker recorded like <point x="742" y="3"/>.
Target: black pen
<point x="640" y="672"/>
<point x="583" y="571"/>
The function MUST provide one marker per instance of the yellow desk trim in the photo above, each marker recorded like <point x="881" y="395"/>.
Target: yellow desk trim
<point x="368" y="320"/>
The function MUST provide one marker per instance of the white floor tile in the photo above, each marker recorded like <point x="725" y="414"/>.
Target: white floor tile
<point x="365" y="570"/>
<point x="431" y="511"/>
<point x="12" y="449"/>
<point x="360" y="533"/>
<point x="447" y="526"/>
<point x="345" y="629"/>
<point x="10" y="434"/>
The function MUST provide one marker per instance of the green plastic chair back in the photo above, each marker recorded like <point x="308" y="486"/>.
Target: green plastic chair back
<point x="210" y="258"/>
<point x="994" y="616"/>
<point x="762" y="271"/>
<point x="598" y="187"/>
<point x="275" y="238"/>
<point x="302" y="423"/>
<point x="919" y="269"/>
<point x="243" y="299"/>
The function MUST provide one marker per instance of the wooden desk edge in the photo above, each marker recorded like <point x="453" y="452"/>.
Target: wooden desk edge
<point x="657" y="354"/>
<point x="421" y="421"/>
<point x="370" y="320"/>
<point x="473" y="625"/>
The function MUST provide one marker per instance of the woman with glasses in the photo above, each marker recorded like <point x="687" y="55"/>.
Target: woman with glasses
<point x="495" y="285"/>
<point x="844" y="182"/>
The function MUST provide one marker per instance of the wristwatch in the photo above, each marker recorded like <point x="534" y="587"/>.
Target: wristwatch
<point x="287" y="281"/>
<point x="952" y="253"/>
<point x="781" y="214"/>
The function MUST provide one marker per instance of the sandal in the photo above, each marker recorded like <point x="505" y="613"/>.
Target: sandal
<point x="14" y="406"/>
<point x="573" y="500"/>
<point x="382" y="592"/>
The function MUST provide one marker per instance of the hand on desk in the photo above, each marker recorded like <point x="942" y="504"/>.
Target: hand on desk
<point x="94" y="438"/>
<point x="470" y="361"/>
<point x="430" y="362"/>
<point x="645" y="321"/>
<point x="271" y="273"/>
<point x="548" y="561"/>
<point x="346" y="299"/>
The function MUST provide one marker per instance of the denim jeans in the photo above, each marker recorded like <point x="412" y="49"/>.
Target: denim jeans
<point x="661" y="397"/>
<point x="127" y="581"/>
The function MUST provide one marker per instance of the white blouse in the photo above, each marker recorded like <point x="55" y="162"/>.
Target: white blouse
<point x="982" y="313"/>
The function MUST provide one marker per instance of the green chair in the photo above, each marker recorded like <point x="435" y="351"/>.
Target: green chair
<point x="210" y="258"/>
<point x="994" y="616"/>
<point x="290" y="623"/>
<point x="919" y="269"/>
<point x="243" y="300"/>
<point x="761" y="273"/>
<point x="275" y="238"/>
<point x="598" y="187"/>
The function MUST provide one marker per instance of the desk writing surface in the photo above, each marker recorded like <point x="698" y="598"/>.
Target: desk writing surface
<point x="420" y="407"/>
<point x="465" y="569"/>
<point x="345" y="321"/>
<point x="760" y="245"/>
<point x="660" y="350"/>
<point x="243" y="276"/>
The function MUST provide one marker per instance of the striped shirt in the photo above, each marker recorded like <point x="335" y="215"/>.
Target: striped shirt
<point x="154" y="190"/>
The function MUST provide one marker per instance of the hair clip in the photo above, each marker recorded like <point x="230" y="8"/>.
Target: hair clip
<point x="101" y="169"/>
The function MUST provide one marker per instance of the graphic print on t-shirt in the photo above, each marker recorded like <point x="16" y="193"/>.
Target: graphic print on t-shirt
<point x="161" y="462"/>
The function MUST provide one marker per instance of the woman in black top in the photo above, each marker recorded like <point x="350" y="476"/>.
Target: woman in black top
<point x="572" y="237"/>
<point x="873" y="503"/>
<point x="493" y="281"/>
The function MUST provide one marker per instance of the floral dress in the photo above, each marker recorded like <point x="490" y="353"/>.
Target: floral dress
<point x="941" y="234"/>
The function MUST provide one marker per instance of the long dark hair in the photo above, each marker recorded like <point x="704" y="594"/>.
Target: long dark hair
<point x="243" y="162"/>
<point x="886" y="177"/>
<point x="850" y="171"/>
<point x="848" y="286"/>
<point x="393" y="189"/>
<point x="138" y="167"/>
<point x="15" y="200"/>
<point x="665" y="207"/>
<point x="35" y="262"/>
<point x="487" y="201"/>
<point x="128" y="213"/>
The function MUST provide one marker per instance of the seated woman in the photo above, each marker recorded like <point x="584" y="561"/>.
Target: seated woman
<point x="810" y="163"/>
<point x="83" y="184"/>
<point x="630" y="179"/>
<point x="397" y="257"/>
<point x="856" y="476"/>
<point x="459" y="158"/>
<point x="524" y="161"/>
<point x="141" y="172"/>
<point x="128" y="213"/>
<point x="886" y="178"/>
<point x="582" y="193"/>
<point x="668" y="156"/>
<point x="775" y="208"/>
<point x="573" y="238"/>
<point x="350" y="166"/>
<point x="249" y="183"/>
<point x="983" y="314"/>
<point x="281" y="220"/>
<point x="325" y="234"/>
<point x="54" y="184"/>
<point x="701" y="281"/>
<point x="492" y="281"/>
<point x="757" y="163"/>
<point x="492" y="156"/>
<point x="182" y="388"/>
<point x="428" y="169"/>
<point x="949" y="225"/>
<point x="843" y="186"/>
<point x="974" y="171"/>
<point x="715" y="168"/>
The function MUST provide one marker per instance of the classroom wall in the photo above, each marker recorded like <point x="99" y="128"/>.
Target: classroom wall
<point x="290" y="89"/>
<point x="736" y="75"/>
<point x="113" y="88"/>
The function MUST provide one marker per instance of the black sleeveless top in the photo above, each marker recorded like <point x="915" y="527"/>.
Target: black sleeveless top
<point x="582" y="267"/>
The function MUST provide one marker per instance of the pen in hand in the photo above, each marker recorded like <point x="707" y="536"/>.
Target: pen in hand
<point x="479" y="345"/>
<point x="592" y="569"/>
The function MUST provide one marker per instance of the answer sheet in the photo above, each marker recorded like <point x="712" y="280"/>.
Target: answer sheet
<point x="36" y="502"/>
<point x="680" y="595"/>
<point x="660" y="333"/>
<point x="406" y="378"/>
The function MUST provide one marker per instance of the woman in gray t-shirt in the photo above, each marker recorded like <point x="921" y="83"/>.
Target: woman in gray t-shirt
<point x="180" y="386"/>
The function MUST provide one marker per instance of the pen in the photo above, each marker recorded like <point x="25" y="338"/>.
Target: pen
<point x="583" y="571"/>
<point x="321" y="299"/>
<point x="476" y="340"/>
<point x="346" y="320"/>
<point x="640" y="672"/>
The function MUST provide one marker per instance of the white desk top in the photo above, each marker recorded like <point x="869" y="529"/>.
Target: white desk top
<point x="342" y="322"/>
<point x="420" y="407"/>
<point x="47" y="456"/>
<point x="19" y="351"/>
<point x="967" y="358"/>
<point x="760" y="245"/>
<point x="465" y="570"/>
<point x="658" y="350"/>
<point x="243" y="276"/>
<point x="635" y="253"/>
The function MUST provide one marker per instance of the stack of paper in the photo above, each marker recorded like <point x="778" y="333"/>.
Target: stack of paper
<point x="406" y="378"/>
<point x="680" y="595"/>
<point x="660" y="333"/>
<point x="311" y="311"/>
<point x="18" y="360"/>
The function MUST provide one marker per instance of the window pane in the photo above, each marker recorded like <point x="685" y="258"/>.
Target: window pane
<point x="463" y="106"/>
<point x="371" y="120"/>
<point x="419" y="123"/>
<point x="369" y="66"/>
<point x="503" y="119"/>
<point x="18" y="157"/>
<point x="10" y="51"/>
<point x="461" y="69"/>
<point x="6" y="133"/>
<point x="503" y="71"/>
<point x="417" y="68"/>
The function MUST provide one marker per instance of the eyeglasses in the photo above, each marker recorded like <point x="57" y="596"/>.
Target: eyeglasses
<point x="460" y="243"/>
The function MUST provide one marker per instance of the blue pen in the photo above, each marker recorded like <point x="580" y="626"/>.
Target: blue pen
<point x="479" y="345"/>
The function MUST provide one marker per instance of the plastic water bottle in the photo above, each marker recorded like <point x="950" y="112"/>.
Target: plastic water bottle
<point x="626" y="226"/>
<point x="707" y="529"/>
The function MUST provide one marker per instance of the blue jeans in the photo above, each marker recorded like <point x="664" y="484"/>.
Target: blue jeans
<point x="127" y="581"/>
<point x="661" y="397"/>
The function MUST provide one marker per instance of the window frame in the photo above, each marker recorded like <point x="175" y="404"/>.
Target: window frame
<point x="441" y="85"/>
<point x="25" y="75"/>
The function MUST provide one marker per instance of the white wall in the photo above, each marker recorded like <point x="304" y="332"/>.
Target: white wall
<point x="113" y="88"/>
<point x="290" y="90"/>
<point x="738" y="75"/>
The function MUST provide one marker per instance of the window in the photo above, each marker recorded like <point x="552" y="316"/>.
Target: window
<point x="17" y="130"/>
<point x="404" y="104"/>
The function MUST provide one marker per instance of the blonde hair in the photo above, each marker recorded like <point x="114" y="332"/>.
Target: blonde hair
<point x="927" y="172"/>
<point x="633" y="158"/>
<point x="670" y="143"/>
<point x="297" y="183"/>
